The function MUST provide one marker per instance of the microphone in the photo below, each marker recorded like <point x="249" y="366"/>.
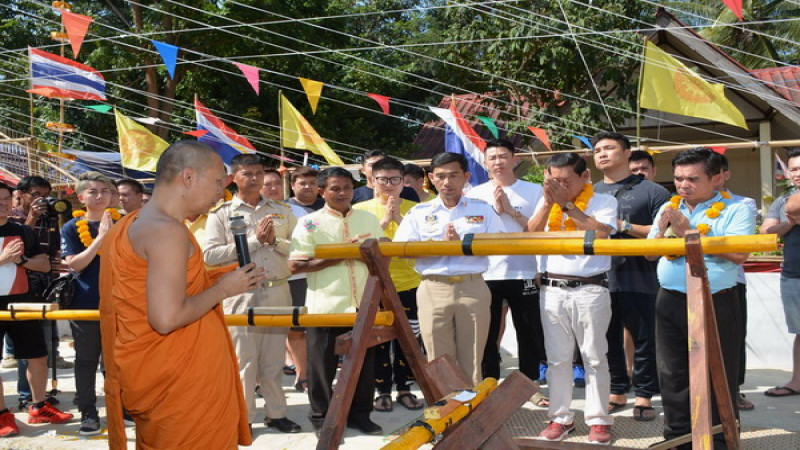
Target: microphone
<point x="239" y="230"/>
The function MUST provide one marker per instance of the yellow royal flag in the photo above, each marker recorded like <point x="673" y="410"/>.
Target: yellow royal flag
<point x="669" y="86"/>
<point x="139" y="147"/>
<point x="298" y="133"/>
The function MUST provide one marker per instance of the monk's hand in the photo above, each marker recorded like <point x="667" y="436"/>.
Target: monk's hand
<point x="241" y="280"/>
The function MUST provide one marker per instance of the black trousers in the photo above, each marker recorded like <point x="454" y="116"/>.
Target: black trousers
<point x="741" y="290"/>
<point x="86" y="334"/>
<point x="673" y="357"/>
<point x="390" y="363"/>
<point x="322" y="363"/>
<point x="636" y="312"/>
<point x="523" y="301"/>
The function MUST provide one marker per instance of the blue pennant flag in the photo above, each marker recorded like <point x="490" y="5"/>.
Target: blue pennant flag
<point x="169" y="53"/>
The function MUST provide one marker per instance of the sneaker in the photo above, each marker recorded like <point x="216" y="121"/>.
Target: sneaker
<point x="8" y="425"/>
<point x="283" y="425"/>
<point x="600" y="434"/>
<point x="542" y="374"/>
<point x="90" y="424"/>
<point x="365" y="425"/>
<point x="47" y="414"/>
<point x="9" y="363"/>
<point x="556" y="431"/>
<point x="579" y="376"/>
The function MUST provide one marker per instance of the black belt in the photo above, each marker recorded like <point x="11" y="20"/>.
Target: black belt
<point x="575" y="282"/>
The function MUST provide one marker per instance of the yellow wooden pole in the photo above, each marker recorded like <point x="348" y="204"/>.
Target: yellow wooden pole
<point x="384" y="318"/>
<point x="496" y="245"/>
<point x="417" y="436"/>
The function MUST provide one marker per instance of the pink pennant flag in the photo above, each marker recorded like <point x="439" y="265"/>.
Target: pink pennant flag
<point x="735" y="6"/>
<point x="196" y="133"/>
<point x="251" y="73"/>
<point x="542" y="136"/>
<point x="382" y="100"/>
<point x="720" y="150"/>
<point x="76" y="26"/>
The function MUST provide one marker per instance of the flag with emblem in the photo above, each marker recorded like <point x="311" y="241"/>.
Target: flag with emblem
<point x="138" y="147"/>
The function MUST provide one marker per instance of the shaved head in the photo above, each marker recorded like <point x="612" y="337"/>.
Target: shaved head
<point x="186" y="154"/>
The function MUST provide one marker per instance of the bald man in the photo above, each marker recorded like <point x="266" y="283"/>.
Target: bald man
<point x="171" y="361"/>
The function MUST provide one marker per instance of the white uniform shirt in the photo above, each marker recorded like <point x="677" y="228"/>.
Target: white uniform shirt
<point x="604" y="210"/>
<point x="428" y="222"/>
<point x="523" y="196"/>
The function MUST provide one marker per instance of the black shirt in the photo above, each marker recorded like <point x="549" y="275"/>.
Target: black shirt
<point x="365" y="193"/>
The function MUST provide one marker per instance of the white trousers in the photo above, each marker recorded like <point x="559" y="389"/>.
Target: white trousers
<point x="581" y="315"/>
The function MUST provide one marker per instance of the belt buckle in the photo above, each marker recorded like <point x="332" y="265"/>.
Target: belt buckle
<point x="563" y="284"/>
<point x="456" y="279"/>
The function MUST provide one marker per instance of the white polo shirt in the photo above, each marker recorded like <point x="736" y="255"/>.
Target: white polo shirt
<point x="428" y="222"/>
<point x="523" y="196"/>
<point x="603" y="208"/>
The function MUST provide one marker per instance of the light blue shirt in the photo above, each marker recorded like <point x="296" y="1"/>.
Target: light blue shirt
<point x="736" y="219"/>
<point x="428" y="221"/>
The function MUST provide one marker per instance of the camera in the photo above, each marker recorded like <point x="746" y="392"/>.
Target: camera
<point x="56" y="206"/>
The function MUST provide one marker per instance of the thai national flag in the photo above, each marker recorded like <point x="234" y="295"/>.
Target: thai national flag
<point x="225" y="141"/>
<point x="59" y="77"/>
<point x="459" y="137"/>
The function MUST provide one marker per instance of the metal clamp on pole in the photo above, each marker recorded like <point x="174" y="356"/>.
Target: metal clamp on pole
<point x="466" y="244"/>
<point x="588" y="242"/>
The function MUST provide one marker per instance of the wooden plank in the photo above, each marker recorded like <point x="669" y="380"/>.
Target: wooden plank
<point x="445" y="376"/>
<point x="536" y="444"/>
<point x="674" y="442"/>
<point x="699" y="380"/>
<point x="491" y="414"/>
<point x="500" y="440"/>
<point x="378" y="336"/>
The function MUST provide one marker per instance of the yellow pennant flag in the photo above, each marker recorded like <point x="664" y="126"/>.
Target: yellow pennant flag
<point x="139" y="147"/>
<point x="313" y="92"/>
<point x="668" y="85"/>
<point x="298" y="133"/>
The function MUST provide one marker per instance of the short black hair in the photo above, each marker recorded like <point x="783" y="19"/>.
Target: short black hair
<point x="794" y="152"/>
<point x="245" y="159"/>
<point x="619" y="137"/>
<point x="304" y="171"/>
<point x="699" y="155"/>
<point x="641" y="155"/>
<point x="133" y="184"/>
<point x="570" y="159"/>
<point x="389" y="163"/>
<point x="501" y="143"/>
<point x="6" y="187"/>
<point x="723" y="160"/>
<point x="32" y="181"/>
<point x="448" y="157"/>
<point x="414" y="170"/>
<point x="333" y="172"/>
<point x="371" y="154"/>
<point x="274" y="171"/>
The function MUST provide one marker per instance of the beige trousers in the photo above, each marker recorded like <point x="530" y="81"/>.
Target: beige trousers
<point x="454" y="319"/>
<point x="260" y="351"/>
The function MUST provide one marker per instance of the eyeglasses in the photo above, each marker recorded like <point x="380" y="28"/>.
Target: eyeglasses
<point x="394" y="181"/>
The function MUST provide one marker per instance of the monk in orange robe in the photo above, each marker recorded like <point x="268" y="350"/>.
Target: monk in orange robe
<point x="168" y="355"/>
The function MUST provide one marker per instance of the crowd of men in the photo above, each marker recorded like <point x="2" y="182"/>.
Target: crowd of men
<point x="567" y="310"/>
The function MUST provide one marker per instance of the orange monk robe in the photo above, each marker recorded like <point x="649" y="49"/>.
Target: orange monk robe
<point x="183" y="388"/>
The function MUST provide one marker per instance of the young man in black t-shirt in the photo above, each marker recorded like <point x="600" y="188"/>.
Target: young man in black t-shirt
<point x="19" y="253"/>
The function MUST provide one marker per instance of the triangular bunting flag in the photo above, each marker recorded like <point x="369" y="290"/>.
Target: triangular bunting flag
<point x="541" y="134"/>
<point x="76" y="26"/>
<point x="251" y="73"/>
<point x="735" y="6"/>
<point x="382" y="100"/>
<point x="585" y="141"/>
<point x="313" y="92"/>
<point x="169" y="53"/>
<point x="138" y="147"/>
<point x="490" y="125"/>
<point x="196" y="133"/>
<point x="720" y="150"/>
<point x="298" y="133"/>
<point x="100" y="108"/>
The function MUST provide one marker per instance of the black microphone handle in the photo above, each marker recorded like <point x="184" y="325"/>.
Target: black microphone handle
<point x="242" y="252"/>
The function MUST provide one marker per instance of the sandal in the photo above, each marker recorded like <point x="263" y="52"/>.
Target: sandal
<point x="539" y="399"/>
<point x="744" y="404"/>
<point x="614" y="407"/>
<point x="643" y="413"/>
<point x="409" y="401"/>
<point x="289" y="370"/>
<point x="301" y="386"/>
<point x="383" y="403"/>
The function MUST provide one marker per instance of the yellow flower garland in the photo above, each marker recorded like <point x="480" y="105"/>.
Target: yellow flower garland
<point x="83" y="225"/>
<point x="712" y="213"/>
<point x="556" y="222"/>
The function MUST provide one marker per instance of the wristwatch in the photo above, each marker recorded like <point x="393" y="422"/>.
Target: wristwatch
<point x="569" y="206"/>
<point x="626" y="226"/>
<point x="22" y="260"/>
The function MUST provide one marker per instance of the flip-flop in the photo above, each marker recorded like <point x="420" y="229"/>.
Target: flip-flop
<point x="614" y="407"/>
<point x="643" y="413"/>
<point x="409" y="401"/>
<point x="383" y="403"/>
<point x="790" y="392"/>
<point x="744" y="404"/>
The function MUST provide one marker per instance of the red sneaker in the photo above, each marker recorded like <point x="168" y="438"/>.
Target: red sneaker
<point x="8" y="425"/>
<point x="600" y="434"/>
<point x="47" y="414"/>
<point x="556" y="431"/>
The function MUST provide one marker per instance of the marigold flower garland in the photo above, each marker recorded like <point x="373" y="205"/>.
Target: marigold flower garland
<point x="83" y="225"/>
<point x="555" y="220"/>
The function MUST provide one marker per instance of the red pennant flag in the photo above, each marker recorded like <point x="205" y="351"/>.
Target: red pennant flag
<point x="735" y="6"/>
<point x="720" y="150"/>
<point x="382" y="100"/>
<point x="77" y="26"/>
<point x="196" y="133"/>
<point x="542" y="136"/>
